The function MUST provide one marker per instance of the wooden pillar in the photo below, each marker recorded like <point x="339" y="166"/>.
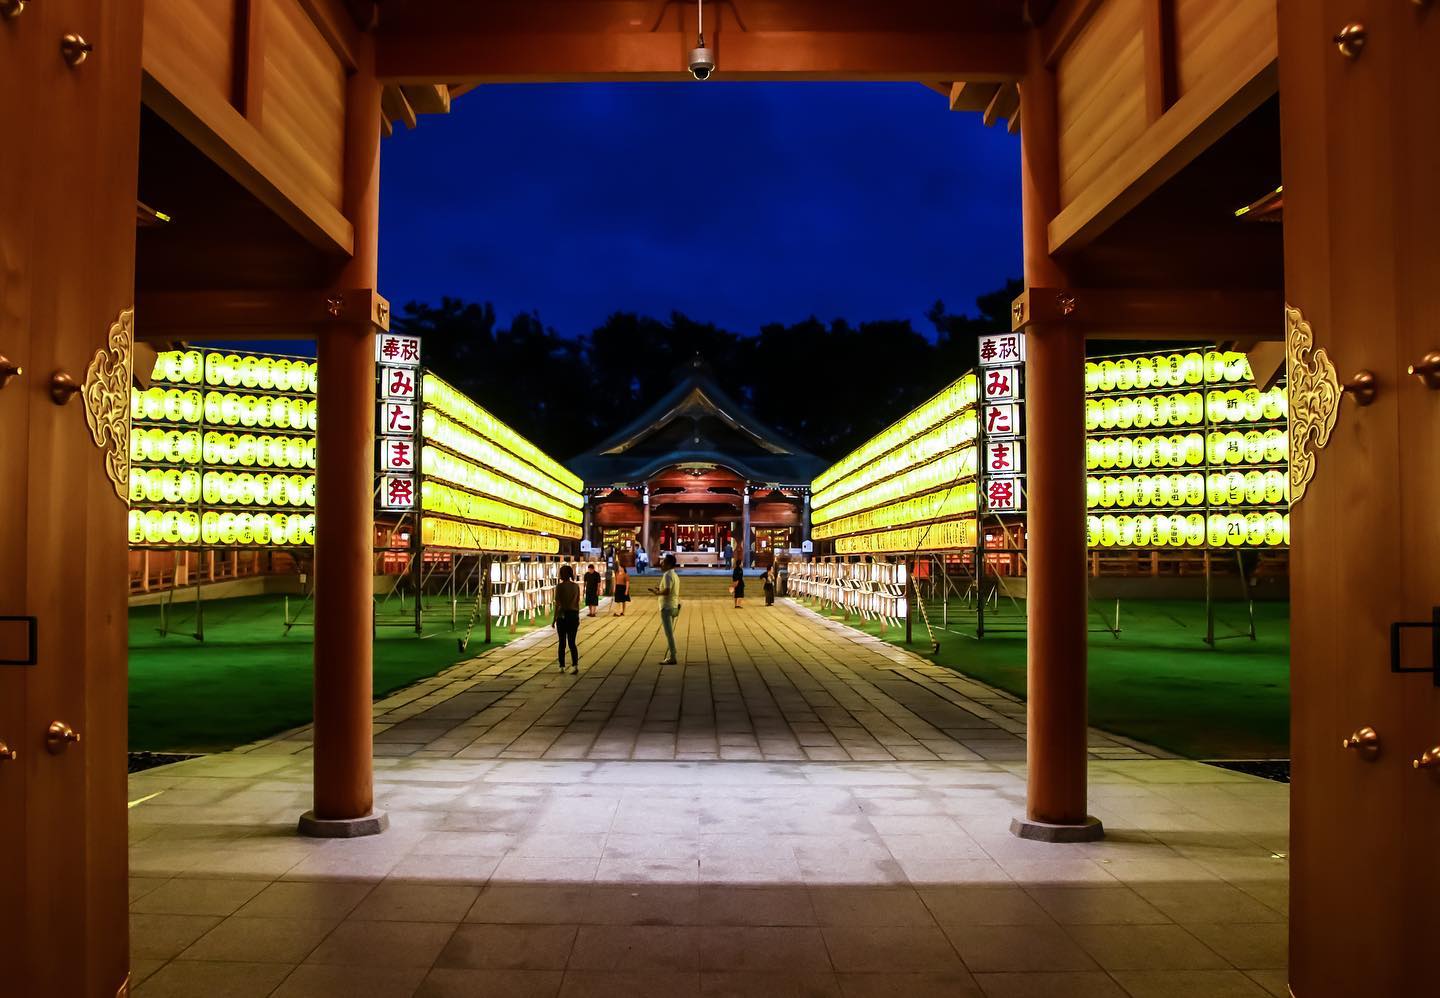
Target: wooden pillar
<point x="1361" y="155"/>
<point x="68" y="172"/>
<point x="1055" y="431"/>
<point x="344" y="507"/>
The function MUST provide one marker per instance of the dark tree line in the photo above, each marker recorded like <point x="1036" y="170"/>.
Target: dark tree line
<point x="829" y="386"/>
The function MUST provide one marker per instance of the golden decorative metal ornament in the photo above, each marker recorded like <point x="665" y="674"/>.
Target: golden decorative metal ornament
<point x="1314" y="393"/>
<point x="107" y="400"/>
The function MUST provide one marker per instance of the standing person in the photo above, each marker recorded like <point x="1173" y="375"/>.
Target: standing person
<point x="737" y="583"/>
<point x="567" y="616"/>
<point x="592" y="589"/>
<point x="622" y="588"/>
<point x="768" y="581"/>
<point x="642" y="561"/>
<point x="669" y="592"/>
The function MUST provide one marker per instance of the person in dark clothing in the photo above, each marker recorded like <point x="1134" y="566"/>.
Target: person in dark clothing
<point x="567" y="616"/>
<point x="737" y="584"/>
<point x="768" y="581"/>
<point x="592" y="588"/>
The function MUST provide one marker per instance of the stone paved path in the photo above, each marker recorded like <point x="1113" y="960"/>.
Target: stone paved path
<point x="749" y="825"/>
<point x="772" y="683"/>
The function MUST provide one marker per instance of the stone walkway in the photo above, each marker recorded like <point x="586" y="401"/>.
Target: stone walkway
<point x="532" y="874"/>
<point x="772" y="683"/>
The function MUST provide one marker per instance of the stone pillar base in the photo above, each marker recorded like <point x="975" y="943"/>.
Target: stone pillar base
<point x="1091" y="830"/>
<point x="343" y="828"/>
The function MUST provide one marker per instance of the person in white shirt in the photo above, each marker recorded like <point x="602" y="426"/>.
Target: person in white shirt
<point x="669" y="593"/>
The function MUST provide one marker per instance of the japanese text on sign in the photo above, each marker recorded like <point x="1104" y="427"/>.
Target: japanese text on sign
<point x="397" y="492"/>
<point x="1006" y="348"/>
<point x="1002" y="420"/>
<point x="1003" y="495"/>
<point x="399" y="350"/>
<point x="397" y="454"/>
<point x="398" y="383"/>
<point x="397" y="417"/>
<point x="1003" y="457"/>
<point x="1002" y="384"/>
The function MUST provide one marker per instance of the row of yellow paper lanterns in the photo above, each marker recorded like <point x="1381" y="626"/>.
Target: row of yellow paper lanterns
<point x="1172" y="370"/>
<point x="950" y="535"/>
<point x="436" y="497"/>
<point x="947" y="470"/>
<point x="466" y="412"/>
<point x="1223" y="488"/>
<point x="1190" y="409"/>
<point x="183" y="405"/>
<point x="233" y="370"/>
<point x="168" y="527"/>
<point x="952" y="399"/>
<point x="438" y="427"/>
<point x="952" y="433"/>
<point x="220" y="488"/>
<point x="435" y="532"/>
<point x="1187" y="450"/>
<point x="937" y="505"/>
<point x="157" y="446"/>
<point x="1190" y="530"/>
<point x="436" y="463"/>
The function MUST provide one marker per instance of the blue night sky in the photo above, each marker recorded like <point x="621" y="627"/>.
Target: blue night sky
<point x="739" y="203"/>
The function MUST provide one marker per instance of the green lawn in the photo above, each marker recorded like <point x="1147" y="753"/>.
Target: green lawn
<point x="1159" y="682"/>
<point x="248" y="679"/>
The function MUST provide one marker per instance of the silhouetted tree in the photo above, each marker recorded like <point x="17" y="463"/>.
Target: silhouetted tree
<point x="568" y="393"/>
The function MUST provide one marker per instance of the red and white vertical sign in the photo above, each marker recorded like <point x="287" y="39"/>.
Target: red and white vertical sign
<point x="1002" y="374"/>
<point x="397" y="361"/>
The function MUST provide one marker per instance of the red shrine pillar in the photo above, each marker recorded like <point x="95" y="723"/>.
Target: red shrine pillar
<point x="344" y="504"/>
<point x="1055" y="432"/>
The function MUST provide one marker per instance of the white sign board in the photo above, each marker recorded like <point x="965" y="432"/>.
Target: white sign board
<point x="397" y="454"/>
<point x="1003" y="494"/>
<point x="1001" y="384"/>
<point x="397" y="492"/>
<point x="399" y="383"/>
<point x="394" y="349"/>
<point x="1004" y="457"/>
<point x="1004" y="348"/>
<point x="1002" y="420"/>
<point x="397" y="418"/>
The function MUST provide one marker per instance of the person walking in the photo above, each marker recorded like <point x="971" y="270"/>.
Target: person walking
<point x="567" y="616"/>
<point x="768" y="581"/>
<point x="737" y="583"/>
<point x="622" y="588"/>
<point x="669" y="593"/>
<point x="592" y="589"/>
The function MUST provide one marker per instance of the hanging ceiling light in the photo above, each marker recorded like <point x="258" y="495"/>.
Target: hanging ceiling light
<point x="702" y="59"/>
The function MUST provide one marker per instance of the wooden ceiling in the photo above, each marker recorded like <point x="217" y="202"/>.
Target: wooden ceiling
<point x="926" y="41"/>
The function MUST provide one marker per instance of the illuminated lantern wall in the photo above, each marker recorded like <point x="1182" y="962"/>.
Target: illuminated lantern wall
<point x="222" y="452"/>
<point x="1183" y="451"/>
<point x="910" y="487"/>
<point x="487" y="488"/>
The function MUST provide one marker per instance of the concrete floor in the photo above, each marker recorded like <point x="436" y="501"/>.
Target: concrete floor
<point x="799" y="811"/>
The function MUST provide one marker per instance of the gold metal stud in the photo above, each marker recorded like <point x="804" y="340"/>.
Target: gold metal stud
<point x="1362" y="387"/>
<point x="1351" y="40"/>
<point x="75" y="49"/>
<point x="1427" y="369"/>
<point x="60" y="736"/>
<point x="1365" y="739"/>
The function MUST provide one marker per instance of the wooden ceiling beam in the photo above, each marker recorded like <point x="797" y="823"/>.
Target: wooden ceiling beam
<point x="428" y="98"/>
<point x="755" y="55"/>
<point x="395" y="107"/>
<point x="972" y="96"/>
<point x="201" y="315"/>
<point x="1149" y="314"/>
<point x="1005" y="103"/>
